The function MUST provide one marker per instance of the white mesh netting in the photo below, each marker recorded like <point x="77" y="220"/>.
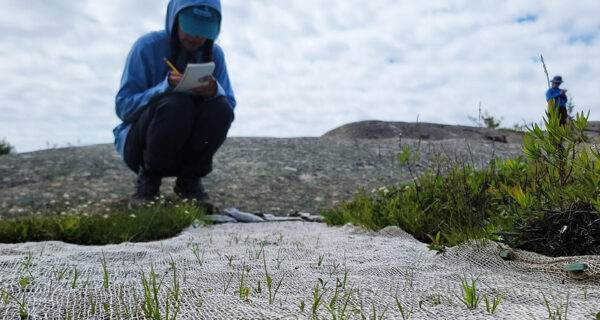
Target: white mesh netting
<point x="64" y="281"/>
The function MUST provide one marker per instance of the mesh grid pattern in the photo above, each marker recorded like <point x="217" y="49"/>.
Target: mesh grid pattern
<point x="68" y="280"/>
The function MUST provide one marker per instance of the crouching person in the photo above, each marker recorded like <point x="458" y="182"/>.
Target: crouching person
<point x="166" y="133"/>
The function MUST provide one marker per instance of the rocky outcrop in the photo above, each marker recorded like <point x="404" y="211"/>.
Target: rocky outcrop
<point x="271" y="175"/>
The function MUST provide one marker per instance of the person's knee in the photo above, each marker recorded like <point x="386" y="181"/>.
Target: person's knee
<point x="220" y="110"/>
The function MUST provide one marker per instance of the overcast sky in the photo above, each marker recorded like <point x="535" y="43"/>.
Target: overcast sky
<point x="303" y="67"/>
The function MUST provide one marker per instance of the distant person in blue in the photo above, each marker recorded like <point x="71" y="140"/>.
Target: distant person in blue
<point x="174" y="134"/>
<point x="560" y="99"/>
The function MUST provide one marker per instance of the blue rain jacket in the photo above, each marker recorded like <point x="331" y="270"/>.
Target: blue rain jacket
<point x="554" y="93"/>
<point x="145" y="77"/>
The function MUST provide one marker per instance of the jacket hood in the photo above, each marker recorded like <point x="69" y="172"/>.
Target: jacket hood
<point x="177" y="5"/>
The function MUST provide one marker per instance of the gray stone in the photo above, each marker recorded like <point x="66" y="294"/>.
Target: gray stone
<point x="315" y="218"/>
<point x="221" y="218"/>
<point x="242" y="216"/>
<point x="304" y="215"/>
<point x="274" y="218"/>
<point x="309" y="217"/>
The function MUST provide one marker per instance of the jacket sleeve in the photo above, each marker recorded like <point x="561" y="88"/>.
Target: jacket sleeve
<point x="220" y="73"/>
<point x="552" y="94"/>
<point x="136" y="89"/>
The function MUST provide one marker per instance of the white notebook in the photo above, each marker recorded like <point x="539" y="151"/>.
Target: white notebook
<point x="192" y="77"/>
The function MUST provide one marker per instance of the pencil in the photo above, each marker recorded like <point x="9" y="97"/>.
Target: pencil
<point x="171" y="65"/>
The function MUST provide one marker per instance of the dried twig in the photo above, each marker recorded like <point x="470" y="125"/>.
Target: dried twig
<point x="545" y="70"/>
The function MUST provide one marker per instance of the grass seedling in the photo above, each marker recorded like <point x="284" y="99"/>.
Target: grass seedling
<point x="316" y="300"/>
<point x="435" y="300"/>
<point x="405" y="313"/>
<point x="323" y="283"/>
<point x="334" y="268"/>
<point x="280" y="259"/>
<point x="258" y="289"/>
<point x="59" y="274"/>
<point x="261" y="249"/>
<point x="92" y="305"/>
<point x="22" y="303"/>
<point x="556" y="312"/>
<point x="302" y="305"/>
<point x="27" y="264"/>
<point x="320" y="262"/>
<point x="374" y="316"/>
<point x="229" y="259"/>
<point x="105" y="270"/>
<point x="75" y="277"/>
<point x="75" y="316"/>
<point x="491" y="307"/>
<point x="175" y="285"/>
<point x="151" y="286"/>
<point x="469" y="292"/>
<point x="272" y="292"/>
<point x="151" y="305"/>
<point x="226" y="283"/>
<point x="342" y="309"/>
<point x="128" y="312"/>
<point x="242" y="291"/>
<point x="199" y="257"/>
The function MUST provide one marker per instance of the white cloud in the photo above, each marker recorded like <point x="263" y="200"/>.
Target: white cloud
<point x="303" y="67"/>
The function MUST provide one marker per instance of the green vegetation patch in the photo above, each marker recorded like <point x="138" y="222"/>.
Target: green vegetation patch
<point x="546" y="202"/>
<point x="154" y="222"/>
<point x="5" y="147"/>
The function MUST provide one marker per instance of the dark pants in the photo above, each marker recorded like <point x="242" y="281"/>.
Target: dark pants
<point x="562" y="116"/>
<point x="178" y="135"/>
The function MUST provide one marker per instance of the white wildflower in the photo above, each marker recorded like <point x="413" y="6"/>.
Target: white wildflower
<point x="66" y="196"/>
<point x="105" y="216"/>
<point x="186" y="212"/>
<point x="384" y="190"/>
<point x="132" y="216"/>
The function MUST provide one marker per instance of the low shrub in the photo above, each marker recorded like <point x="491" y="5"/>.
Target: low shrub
<point x="554" y="190"/>
<point x="5" y="147"/>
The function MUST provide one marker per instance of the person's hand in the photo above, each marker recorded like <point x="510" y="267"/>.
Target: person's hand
<point x="209" y="90"/>
<point x="174" y="78"/>
<point x="563" y="91"/>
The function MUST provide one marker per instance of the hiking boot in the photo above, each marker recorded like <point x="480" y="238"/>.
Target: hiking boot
<point x="190" y="188"/>
<point x="146" y="189"/>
